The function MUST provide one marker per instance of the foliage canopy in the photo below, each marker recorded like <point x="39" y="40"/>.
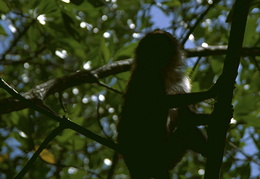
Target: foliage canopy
<point x="49" y="50"/>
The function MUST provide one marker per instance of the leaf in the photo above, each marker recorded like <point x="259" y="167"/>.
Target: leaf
<point x="46" y="7"/>
<point x="254" y="4"/>
<point x="246" y="105"/>
<point x="77" y="142"/>
<point x="104" y="50"/>
<point x="4" y="157"/>
<point x="251" y="26"/>
<point x="33" y="37"/>
<point x="4" y="8"/>
<point x="216" y="66"/>
<point x="255" y="81"/>
<point x="252" y="121"/>
<point x="125" y="52"/>
<point x="172" y="4"/>
<point x="23" y="122"/>
<point x="69" y="25"/>
<point x="2" y="31"/>
<point x="46" y="155"/>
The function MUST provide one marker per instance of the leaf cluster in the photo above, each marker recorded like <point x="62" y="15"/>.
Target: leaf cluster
<point x="45" y="40"/>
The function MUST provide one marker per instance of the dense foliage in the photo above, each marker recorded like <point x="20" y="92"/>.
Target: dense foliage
<point x="45" y="40"/>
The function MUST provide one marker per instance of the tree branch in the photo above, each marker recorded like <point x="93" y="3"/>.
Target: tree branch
<point x="18" y="36"/>
<point x="42" y="91"/>
<point x="219" y="123"/>
<point x="198" y="21"/>
<point x="43" y="145"/>
<point x="64" y="122"/>
<point x="219" y="50"/>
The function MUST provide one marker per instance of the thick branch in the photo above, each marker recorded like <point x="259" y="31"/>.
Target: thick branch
<point x="220" y="120"/>
<point x="220" y="50"/>
<point x="41" y="91"/>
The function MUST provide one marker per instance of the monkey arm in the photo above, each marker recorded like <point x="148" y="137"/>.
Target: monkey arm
<point x="185" y="99"/>
<point x="182" y="100"/>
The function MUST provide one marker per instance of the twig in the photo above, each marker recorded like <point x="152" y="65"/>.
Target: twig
<point x="113" y="166"/>
<point x="52" y="86"/>
<point x="17" y="38"/>
<point x="98" y="119"/>
<point x="198" y="21"/>
<point x="195" y="66"/>
<point x="43" y="145"/>
<point x="64" y="121"/>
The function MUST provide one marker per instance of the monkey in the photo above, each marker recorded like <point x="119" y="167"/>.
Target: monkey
<point x="155" y="128"/>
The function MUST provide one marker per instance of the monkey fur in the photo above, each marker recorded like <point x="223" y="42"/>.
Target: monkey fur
<point x="156" y="125"/>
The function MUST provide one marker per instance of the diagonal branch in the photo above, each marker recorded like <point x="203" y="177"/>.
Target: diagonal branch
<point x="43" y="145"/>
<point x="18" y="36"/>
<point x="198" y="21"/>
<point x="64" y="122"/>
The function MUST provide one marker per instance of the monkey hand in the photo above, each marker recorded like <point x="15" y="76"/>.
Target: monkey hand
<point x="221" y="111"/>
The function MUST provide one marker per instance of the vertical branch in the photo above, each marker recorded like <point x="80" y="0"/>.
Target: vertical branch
<point x="220" y="119"/>
<point x="111" y="171"/>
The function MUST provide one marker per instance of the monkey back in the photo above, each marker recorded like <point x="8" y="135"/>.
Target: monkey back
<point x="142" y="130"/>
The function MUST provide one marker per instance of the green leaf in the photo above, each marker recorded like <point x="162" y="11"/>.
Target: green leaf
<point x="2" y="30"/>
<point x="246" y="105"/>
<point x="3" y="7"/>
<point x="251" y="120"/>
<point x="70" y="26"/>
<point x="126" y="52"/>
<point x="251" y="26"/>
<point x="104" y="50"/>
<point x="172" y="4"/>
<point x="33" y="37"/>
<point x="48" y="6"/>
<point x="254" y="4"/>
<point x="255" y="81"/>
<point x="216" y="66"/>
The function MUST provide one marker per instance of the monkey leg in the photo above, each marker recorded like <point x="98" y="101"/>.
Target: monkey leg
<point x="194" y="137"/>
<point x="188" y="117"/>
<point x="183" y="139"/>
<point x="176" y="148"/>
<point x="144" y="170"/>
<point x="197" y="141"/>
<point x="146" y="162"/>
